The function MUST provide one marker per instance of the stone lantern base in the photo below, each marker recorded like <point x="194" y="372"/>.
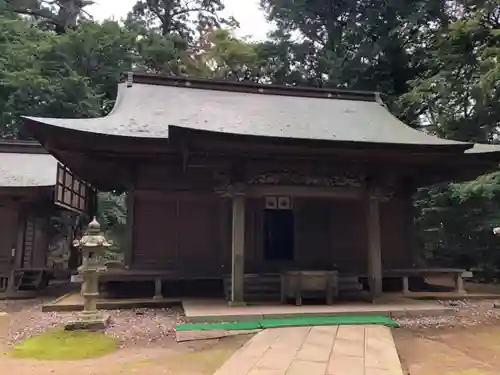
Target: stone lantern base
<point x="88" y="321"/>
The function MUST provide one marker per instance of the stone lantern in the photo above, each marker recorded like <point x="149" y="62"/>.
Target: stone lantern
<point x="92" y="245"/>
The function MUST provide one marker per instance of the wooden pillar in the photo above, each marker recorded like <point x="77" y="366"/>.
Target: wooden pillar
<point x="129" y="245"/>
<point x="41" y="242"/>
<point x="224" y="233"/>
<point x="374" y="247"/>
<point x="238" y="250"/>
<point x="459" y="283"/>
<point x="158" y="288"/>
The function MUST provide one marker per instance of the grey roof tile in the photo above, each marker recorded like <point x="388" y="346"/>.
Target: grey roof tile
<point x="147" y="110"/>
<point x="27" y="170"/>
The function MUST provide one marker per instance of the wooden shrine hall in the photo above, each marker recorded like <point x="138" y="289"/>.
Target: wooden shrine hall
<point x="269" y="188"/>
<point x="27" y="181"/>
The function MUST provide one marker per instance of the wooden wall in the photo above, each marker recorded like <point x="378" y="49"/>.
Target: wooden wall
<point x="26" y="229"/>
<point x="36" y="241"/>
<point x="191" y="233"/>
<point x="8" y="235"/>
<point x="177" y="232"/>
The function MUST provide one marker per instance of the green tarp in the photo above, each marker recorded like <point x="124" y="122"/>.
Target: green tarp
<point x="291" y="322"/>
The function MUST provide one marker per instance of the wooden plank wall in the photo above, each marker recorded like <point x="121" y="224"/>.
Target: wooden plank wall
<point x="191" y="233"/>
<point x="32" y="239"/>
<point x="24" y="228"/>
<point x="177" y="232"/>
<point x="398" y="234"/>
<point x="8" y="233"/>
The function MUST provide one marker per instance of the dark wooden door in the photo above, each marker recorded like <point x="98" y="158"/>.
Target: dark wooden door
<point x="279" y="235"/>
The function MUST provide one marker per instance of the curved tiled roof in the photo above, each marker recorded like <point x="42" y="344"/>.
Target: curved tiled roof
<point x="151" y="104"/>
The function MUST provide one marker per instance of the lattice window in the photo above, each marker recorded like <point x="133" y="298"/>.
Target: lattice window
<point x="72" y="192"/>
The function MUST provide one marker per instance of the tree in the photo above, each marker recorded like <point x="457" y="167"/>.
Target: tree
<point x="112" y="214"/>
<point x="58" y="14"/>
<point x="70" y="75"/>
<point x="354" y="43"/>
<point x="100" y="52"/>
<point x="458" y="98"/>
<point x="179" y="17"/>
<point x="218" y="54"/>
<point x="34" y="81"/>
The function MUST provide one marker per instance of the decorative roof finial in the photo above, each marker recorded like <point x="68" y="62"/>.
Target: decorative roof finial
<point x="94" y="226"/>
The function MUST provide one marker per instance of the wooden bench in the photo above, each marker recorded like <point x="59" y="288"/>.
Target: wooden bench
<point x="405" y="274"/>
<point x="156" y="276"/>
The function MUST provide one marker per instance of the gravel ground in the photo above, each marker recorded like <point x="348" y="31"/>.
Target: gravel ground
<point x="148" y="326"/>
<point x="14" y="306"/>
<point x="467" y="313"/>
<point x="130" y="327"/>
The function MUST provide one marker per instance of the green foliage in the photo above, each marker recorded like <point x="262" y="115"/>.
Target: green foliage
<point x="173" y="16"/>
<point x="218" y="54"/>
<point x="112" y="214"/>
<point x="37" y="79"/>
<point x="455" y="225"/>
<point x="487" y="187"/>
<point x="459" y="96"/>
<point x="57" y="15"/>
<point x="98" y="52"/>
<point x="61" y="345"/>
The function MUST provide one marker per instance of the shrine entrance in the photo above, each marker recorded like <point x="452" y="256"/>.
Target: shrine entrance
<point x="279" y="229"/>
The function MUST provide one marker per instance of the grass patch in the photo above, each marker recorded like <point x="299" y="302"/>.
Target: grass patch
<point x="61" y="345"/>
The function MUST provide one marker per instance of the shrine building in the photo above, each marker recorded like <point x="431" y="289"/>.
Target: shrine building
<point x="236" y="183"/>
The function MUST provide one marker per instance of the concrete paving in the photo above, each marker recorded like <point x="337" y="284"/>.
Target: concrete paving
<point x="74" y="302"/>
<point x="334" y="350"/>
<point x="217" y="310"/>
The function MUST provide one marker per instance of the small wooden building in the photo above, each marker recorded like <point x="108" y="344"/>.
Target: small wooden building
<point x="27" y="181"/>
<point x="244" y="181"/>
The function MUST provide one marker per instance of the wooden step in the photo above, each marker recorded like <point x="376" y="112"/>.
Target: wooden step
<point x="4" y="280"/>
<point x="29" y="280"/>
<point x="258" y="288"/>
<point x="268" y="286"/>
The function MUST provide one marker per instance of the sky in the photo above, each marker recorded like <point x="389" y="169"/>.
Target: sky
<point x="247" y="12"/>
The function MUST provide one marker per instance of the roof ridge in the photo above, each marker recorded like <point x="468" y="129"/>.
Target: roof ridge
<point x="249" y="87"/>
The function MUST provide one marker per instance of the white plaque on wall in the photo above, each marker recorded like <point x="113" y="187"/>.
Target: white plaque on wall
<point x="278" y="203"/>
<point x="271" y="203"/>
<point x="284" y="203"/>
